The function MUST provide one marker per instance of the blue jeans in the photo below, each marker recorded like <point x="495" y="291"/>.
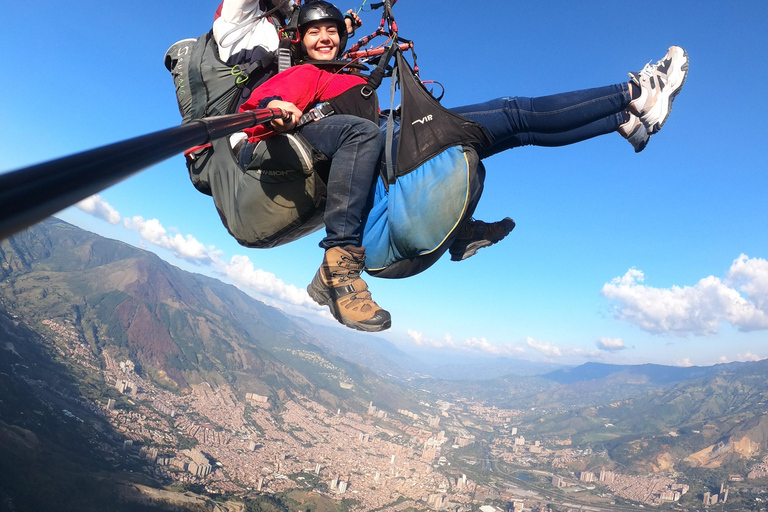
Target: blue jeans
<point x="354" y="146"/>
<point x="555" y="120"/>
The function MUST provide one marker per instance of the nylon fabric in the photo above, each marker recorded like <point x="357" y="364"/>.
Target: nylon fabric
<point x="434" y="183"/>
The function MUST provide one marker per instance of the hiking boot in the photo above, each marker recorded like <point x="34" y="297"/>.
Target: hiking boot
<point x="476" y="234"/>
<point x="635" y="132"/>
<point x="337" y="284"/>
<point x="659" y="84"/>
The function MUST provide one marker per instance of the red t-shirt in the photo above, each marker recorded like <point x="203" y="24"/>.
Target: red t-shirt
<point x="304" y="86"/>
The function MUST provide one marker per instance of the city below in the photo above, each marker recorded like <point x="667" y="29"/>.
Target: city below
<point x="371" y="460"/>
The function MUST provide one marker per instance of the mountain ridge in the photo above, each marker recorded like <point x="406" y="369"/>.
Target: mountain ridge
<point x="180" y="327"/>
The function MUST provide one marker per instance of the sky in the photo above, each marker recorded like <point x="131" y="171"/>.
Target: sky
<point x="658" y="257"/>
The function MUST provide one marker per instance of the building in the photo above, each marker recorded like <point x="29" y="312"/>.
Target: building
<point x="607" y="477"/>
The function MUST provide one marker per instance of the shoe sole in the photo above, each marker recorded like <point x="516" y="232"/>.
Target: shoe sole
<point x="667" y="108"/>
<point x="319" y="293"/>
<point x="471" y="250"/>
<point x="473" y="247"/>
<point x="640" y="144"/>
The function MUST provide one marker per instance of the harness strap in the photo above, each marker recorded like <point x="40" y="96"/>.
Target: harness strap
<point x="391" y="133"/>
<point x="245" y="71"/>
<point x="284" y="55"/>
<point x="320" y="111"/>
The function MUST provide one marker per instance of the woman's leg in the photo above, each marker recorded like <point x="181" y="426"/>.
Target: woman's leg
<point x="555" y="120"/>
<point x="354" y="146"/>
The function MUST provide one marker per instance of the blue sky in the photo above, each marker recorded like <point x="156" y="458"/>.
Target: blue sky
<point x="617" y="257"/>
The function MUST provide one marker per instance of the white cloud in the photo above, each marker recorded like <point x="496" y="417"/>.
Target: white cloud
<point x="593" y="354"/>
<point x="419" y="339"/>
<point x="548" y="349"/>
<point x="99" y="208"/>
<point x="748" y="356"/>
<point x="481" y="345"/>
<point x="698" y="309"/>
<point x="685" y="363"/>
<point x="242" y="271"/>
<point x="184" y="247"/>
<point x="750" y="275"/>
<point x="610" y="344"/>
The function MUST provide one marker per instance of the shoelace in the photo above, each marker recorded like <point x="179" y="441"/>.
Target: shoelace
<point x="648" y="70"/>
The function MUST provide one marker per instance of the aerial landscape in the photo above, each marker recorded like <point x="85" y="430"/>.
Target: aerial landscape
<point x="607" y="355"/>
<point x="128" y="381"/>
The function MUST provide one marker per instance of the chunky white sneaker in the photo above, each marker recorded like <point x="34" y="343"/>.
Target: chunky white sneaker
<point x="659" y="84"/>
<point x="635" y="132"/>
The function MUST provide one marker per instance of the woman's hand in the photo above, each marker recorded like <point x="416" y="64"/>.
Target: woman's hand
<point x="293" y="114"/>
<point x="352" y="21"/>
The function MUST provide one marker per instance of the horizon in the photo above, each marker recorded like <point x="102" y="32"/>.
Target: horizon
<point x="617" y="258"/>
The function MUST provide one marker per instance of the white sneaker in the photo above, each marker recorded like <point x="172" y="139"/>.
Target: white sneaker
<point x="659" y="84"/>
<point x="635" y="132"/>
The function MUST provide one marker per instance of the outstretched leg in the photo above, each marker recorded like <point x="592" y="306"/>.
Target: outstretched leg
<point x="354" y="146"/>
<point x="636" y="109"/>
<point x="555" y="120"/>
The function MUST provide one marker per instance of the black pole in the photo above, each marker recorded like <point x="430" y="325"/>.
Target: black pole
<point x="29" y="195"/>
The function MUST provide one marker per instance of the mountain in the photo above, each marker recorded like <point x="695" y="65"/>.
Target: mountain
<point x="56" y="453"/>
<point x="716" y="418"/>
<point x="179" y="328"/>
<point x="367" y="350"/>
<point x="652" y="374"/>
<point x="452" y="366"/>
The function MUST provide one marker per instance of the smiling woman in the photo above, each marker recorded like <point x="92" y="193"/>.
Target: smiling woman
<point x="353" y="145"/>
<point x="321" y="41"/>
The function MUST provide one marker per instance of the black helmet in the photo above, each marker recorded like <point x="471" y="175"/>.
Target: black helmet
<point x="320" y="10"/>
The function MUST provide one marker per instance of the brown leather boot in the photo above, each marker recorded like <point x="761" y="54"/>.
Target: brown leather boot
<point x="337" y="284"/>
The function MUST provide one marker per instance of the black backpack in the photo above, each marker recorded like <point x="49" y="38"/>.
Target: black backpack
<point x="273" y="196"/>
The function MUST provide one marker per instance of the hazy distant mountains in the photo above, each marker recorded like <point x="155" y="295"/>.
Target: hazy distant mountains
<point x="643" y="373"/>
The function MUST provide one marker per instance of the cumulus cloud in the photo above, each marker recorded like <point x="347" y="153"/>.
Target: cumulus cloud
<point x="610" y="344"/>
<point x="184" y="247"/>
<point x="483" y="346"/>
<point x="698" y="309"/>
<point x="548" y="349"/>
<point x="685" y="363"/>
<point x="748" y="356"/>
<point x="420" y="340"/>
<point x="591" y="354"/>
<point x="243" y="272"/>
<point x="99" y="208"/>
<point x="480" y="345"/>
<point x="750" y="276"/>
